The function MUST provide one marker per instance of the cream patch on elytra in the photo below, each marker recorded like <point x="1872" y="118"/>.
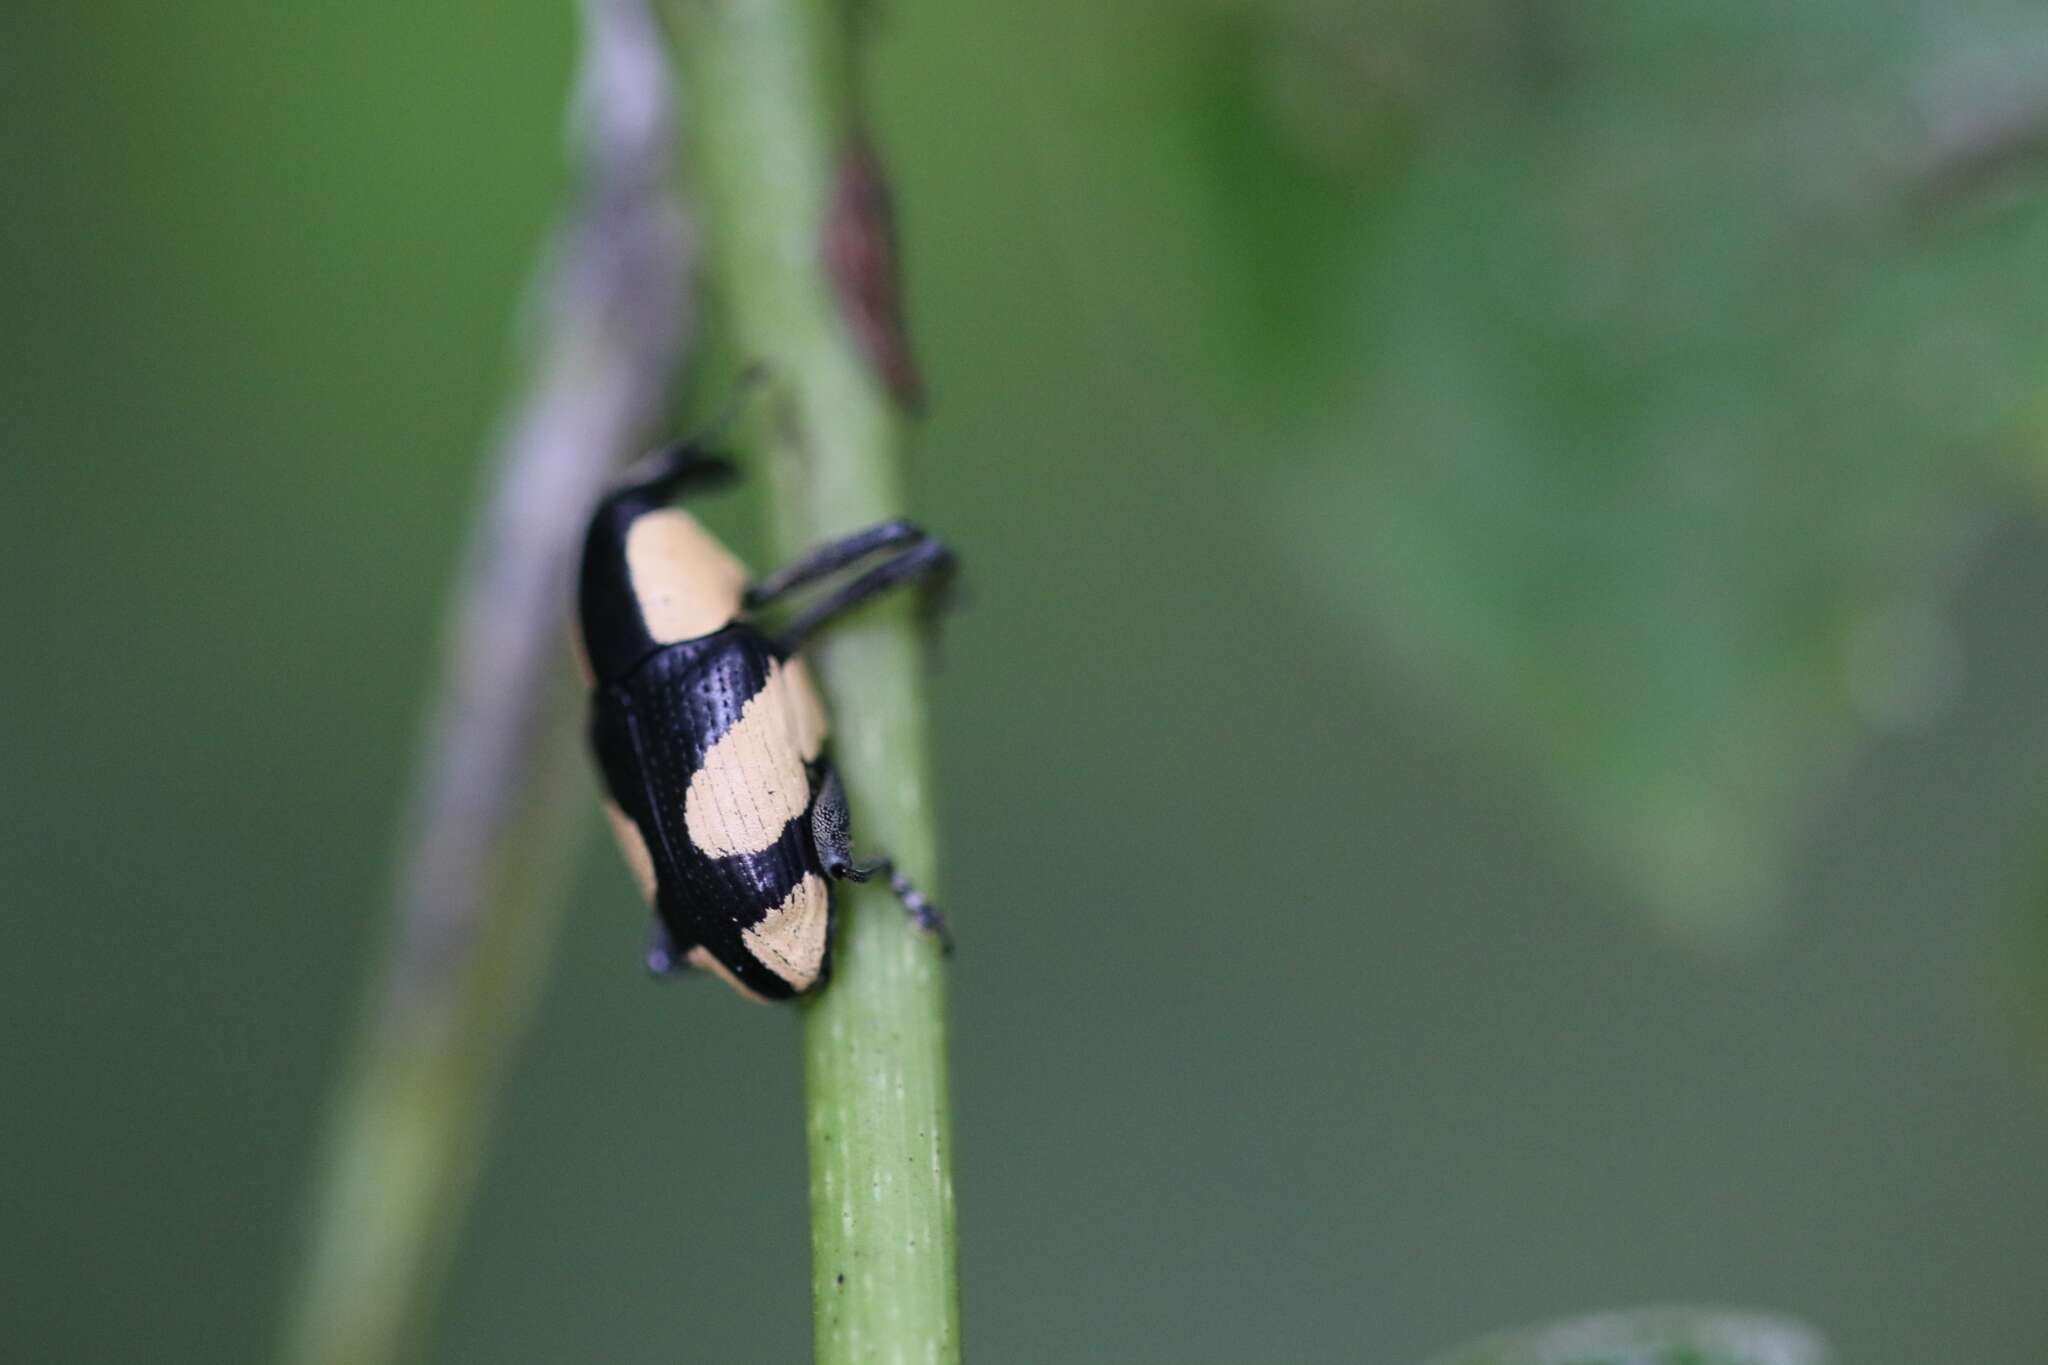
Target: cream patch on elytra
<point x="790" y="939"/>
<point x="752" y="782"/>
<point x="686" y="583"/>
<point x="702" y="959"/>
<point x="583" y="665"/>
<point x="807" y="711"/>
<point x="634" y="845"/>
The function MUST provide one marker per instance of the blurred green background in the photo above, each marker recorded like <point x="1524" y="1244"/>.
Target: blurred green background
<point x="1495" y="765"/>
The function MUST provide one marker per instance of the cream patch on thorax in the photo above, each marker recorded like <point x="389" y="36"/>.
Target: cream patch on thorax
<point x="752" y="782"/>
<point x="790" y="940"/>
<point x="686" y="583"/>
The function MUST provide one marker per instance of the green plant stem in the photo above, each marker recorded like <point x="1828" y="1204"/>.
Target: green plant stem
<point x="772" y="94"/>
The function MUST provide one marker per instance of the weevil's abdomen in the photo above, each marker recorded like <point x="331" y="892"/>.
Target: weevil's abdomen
<point x="728" y="730"/>
<point x="713" y="749"/>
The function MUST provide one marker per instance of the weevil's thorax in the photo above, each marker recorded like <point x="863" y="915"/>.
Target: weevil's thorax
<point x="652" y="577"/>
<point x="686" y="584"/>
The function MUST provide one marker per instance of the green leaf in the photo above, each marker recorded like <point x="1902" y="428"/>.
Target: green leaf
<point x="1662" y="407"/>
<point x="1613" y="372"/>
<point x="1651" y="1336"/>
<point x="2022" y="978"/>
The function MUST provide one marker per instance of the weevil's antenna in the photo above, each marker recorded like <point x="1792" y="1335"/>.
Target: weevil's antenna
<point x="661" y="473"/>
<point x="750" y="381"/>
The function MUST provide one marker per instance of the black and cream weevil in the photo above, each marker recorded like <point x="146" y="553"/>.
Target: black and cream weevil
<point x="710" y="736"/>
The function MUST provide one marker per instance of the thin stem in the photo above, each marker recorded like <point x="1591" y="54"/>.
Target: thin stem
<point x="798" y="240"/>
<point x="497" y="807"/>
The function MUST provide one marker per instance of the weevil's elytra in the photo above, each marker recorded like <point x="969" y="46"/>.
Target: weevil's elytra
<point x="755" y="778"/>
<point x="791" y="937"/>
<point x="639" y="859"/>
<point x="710" y="736"/>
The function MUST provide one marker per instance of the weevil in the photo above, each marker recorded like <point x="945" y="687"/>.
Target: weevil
<point x="710" y="736"/>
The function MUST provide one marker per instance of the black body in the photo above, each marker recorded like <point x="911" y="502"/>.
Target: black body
<point x="650" y="730"/>
<point x="658" y="708"/>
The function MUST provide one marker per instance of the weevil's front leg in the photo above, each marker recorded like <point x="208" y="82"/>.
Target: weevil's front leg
<point x="835" y="851"/>
<point x="831" y="557"/>
<point x="927" y="562"/>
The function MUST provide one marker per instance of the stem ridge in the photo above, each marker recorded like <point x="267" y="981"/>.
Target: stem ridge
<point x="802" y="259"/>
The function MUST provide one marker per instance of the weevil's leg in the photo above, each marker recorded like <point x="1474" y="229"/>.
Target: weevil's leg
<point x="663" y="957"/>
<point x="828" y="833"/>
<point x="922" y="912"/>
<point x="928" y="563"/>
<point x="832" y="557"/>
<point x="828" y="827"/>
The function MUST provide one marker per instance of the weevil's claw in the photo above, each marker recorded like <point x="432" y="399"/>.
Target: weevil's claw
<point x="662" y="957"/>
<point x="922" y="912"/>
